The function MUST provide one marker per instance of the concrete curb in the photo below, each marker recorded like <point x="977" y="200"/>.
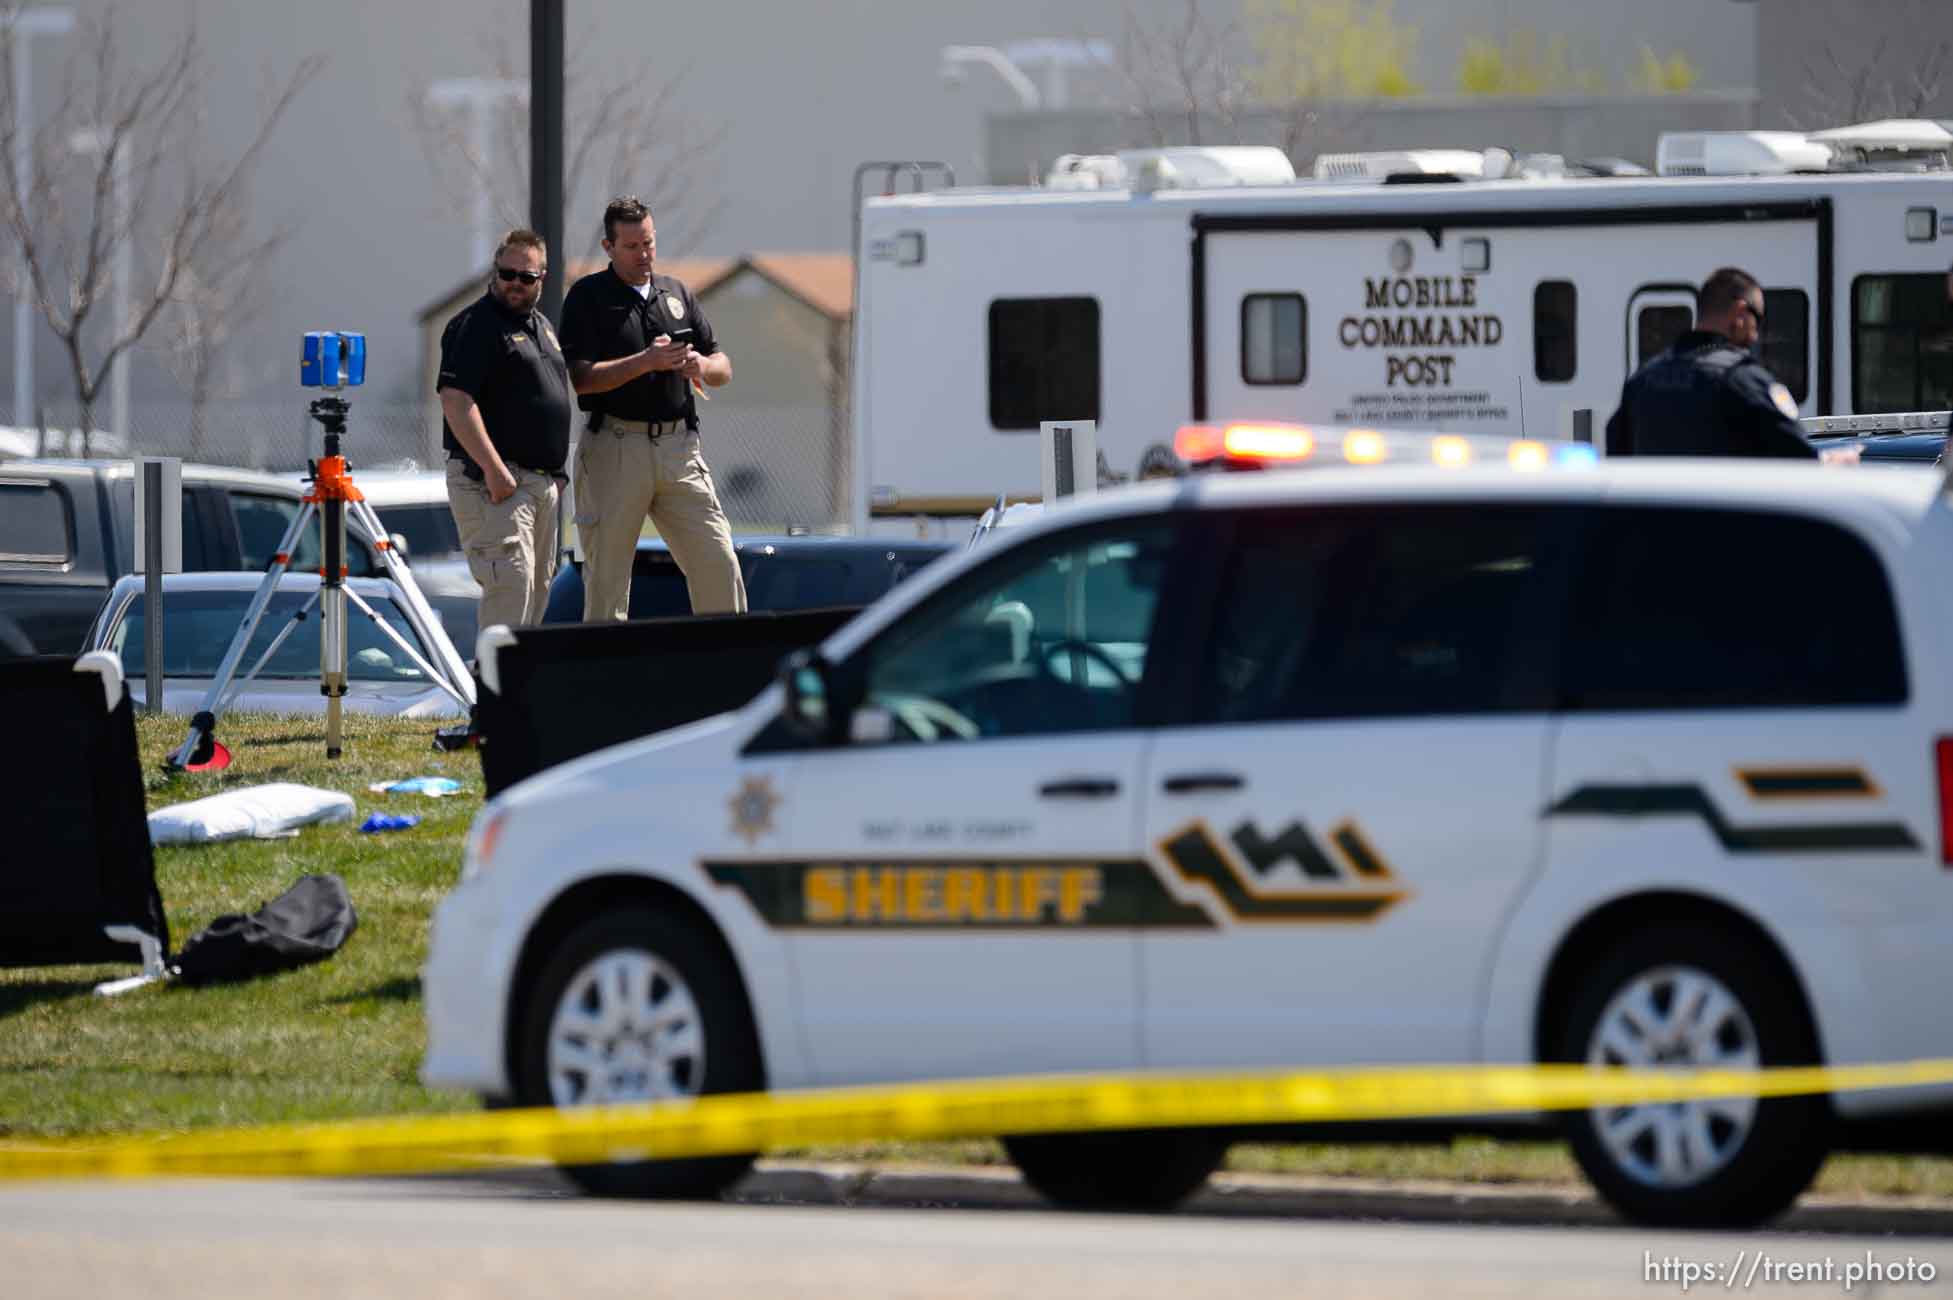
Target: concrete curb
<point x="1289" y="1196"/>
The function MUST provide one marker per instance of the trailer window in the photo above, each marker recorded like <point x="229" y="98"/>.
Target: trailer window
<point x="1902" y="343"/>
<point x="1658" y="326"/>
<point x="1044" y="361"/>
<point x="1555" y="343"/>
<point x="1785" y="348"/>
<point x="1274" y="338"/>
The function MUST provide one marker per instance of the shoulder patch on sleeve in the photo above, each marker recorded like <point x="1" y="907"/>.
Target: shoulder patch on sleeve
<point x="1781" y="398"/>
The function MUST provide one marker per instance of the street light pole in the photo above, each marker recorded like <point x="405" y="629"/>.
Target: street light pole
<point x="955" y="56"/>
<point x="25" y="24"/>
<point x="97" y="140"/>
<point x="546" y="144"/>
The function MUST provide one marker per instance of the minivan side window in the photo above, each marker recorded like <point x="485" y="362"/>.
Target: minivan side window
<point x="1378" y="612"/>
<point x="1049" y="638"/>
<point x="1044" y="361"/>
<point x="1677" y="608"/>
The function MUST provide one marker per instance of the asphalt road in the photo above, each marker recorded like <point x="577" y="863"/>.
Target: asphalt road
<point x="946" y="1238"/>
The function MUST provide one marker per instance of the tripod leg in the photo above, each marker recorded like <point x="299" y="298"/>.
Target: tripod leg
<point x="420" y="614"/>
<point x="332" y="629"/>
<point x="284" y="634"/>
<point x="406" y="647"/>
<point x="196" y="746"/>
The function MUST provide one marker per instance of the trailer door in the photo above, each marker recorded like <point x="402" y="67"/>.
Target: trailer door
<point x="1656" y="318"/>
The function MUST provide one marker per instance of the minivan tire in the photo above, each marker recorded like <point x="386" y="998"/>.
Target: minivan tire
<point x="1766" y="1167"/>
<point x="686" y="965"/>
<point x="1150" y="1169"/>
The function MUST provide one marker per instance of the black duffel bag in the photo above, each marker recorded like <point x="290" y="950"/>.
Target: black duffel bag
<point x="307" y="923"/>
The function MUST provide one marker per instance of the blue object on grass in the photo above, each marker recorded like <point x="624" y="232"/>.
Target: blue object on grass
<point x="389" y="821"/>
<point x="428" y="785"/>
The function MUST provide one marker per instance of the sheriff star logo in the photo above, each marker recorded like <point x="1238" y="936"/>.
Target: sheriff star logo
<point x="753" y="807"/>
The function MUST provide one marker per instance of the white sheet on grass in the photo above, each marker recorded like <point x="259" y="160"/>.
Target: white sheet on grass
<point x="254" y="812"/>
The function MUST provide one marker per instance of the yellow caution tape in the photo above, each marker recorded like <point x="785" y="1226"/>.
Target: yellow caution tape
<point x="735" y="1123"/>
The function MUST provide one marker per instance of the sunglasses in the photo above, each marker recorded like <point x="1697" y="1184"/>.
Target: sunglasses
<point x="1754" y="313"/>
<point x="506" y="273"/>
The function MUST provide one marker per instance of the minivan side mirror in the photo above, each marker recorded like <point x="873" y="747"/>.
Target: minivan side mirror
<point x="805" y="681"/>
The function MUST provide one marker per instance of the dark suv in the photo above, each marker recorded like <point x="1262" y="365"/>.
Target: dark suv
<point x="782" y="574"/>
<point x="67" y="532"/>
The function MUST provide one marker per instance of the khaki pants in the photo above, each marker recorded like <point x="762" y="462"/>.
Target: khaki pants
<point x="512" y="546"/>
<point x="622" y="477"/>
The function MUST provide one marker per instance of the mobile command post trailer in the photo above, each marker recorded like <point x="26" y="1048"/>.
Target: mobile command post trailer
<point x="1499" y="307"/>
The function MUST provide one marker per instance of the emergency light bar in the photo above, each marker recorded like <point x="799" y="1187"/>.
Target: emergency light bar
<point x="1259" y="445"/>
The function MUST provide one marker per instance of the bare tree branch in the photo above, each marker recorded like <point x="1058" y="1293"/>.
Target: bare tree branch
<point x="1178" y="75"/>
<point x="1902" y="73"/>
<point x="626" y="133"/>
<point x="138" y="123"/>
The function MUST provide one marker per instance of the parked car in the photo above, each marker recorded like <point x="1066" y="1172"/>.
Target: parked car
<point x="782" y="574"/>
<point x="201" y="615"/>
<point x="1283" y="770"/>
<point x="413" y="505"/>
<point x="67" y="533"/>
<point x="413" y="508"/>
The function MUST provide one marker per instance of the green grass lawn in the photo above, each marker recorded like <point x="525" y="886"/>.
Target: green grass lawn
<point x="344" y="1038"/>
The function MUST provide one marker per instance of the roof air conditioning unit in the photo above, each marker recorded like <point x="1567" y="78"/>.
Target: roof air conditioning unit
<point x="1193" y="167"/>
<point x="1894" y="144"/>
<point x="1739" y="153"/>
<point x="1079" y="171"/>
<point x="1400" y="162"/>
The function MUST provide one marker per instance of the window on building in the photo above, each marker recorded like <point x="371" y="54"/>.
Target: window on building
<point x="1044" y="361"/>
<point x="1274" y="338"/>
<point x="1673" y="611"/>
<point x="34" y="523"/>
<point x="1902" y="343"/>
<point x="1556" y="351"/>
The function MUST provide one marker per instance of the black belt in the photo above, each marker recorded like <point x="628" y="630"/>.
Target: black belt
<point x="600" y="421"/>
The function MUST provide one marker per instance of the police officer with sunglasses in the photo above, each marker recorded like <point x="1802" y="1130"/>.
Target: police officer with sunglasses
<point x="506" y="402"/>
<point x="1707" y="394"/>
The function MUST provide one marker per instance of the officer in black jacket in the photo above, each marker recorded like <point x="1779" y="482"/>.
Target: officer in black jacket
<point x="1707" y="395"/>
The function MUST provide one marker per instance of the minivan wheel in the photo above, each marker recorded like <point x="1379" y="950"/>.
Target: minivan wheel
<point x="1151" y="1169"/>
<point x="1694" y="996"/>
<point x="635" y="1006"/>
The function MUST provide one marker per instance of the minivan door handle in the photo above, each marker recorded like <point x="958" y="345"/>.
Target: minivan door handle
<point x="1079" y="788"/>
<point x="1197" y="782"/>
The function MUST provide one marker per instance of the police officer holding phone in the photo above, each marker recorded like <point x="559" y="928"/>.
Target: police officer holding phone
<point x="505" y="403"/>
<point x="641" y="354"/>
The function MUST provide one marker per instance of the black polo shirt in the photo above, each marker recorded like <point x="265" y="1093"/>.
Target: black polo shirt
<point x="512" y="366"/>
<point x="604" y="318"/>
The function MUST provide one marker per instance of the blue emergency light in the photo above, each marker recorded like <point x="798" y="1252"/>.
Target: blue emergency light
<point x="333" y="359"/>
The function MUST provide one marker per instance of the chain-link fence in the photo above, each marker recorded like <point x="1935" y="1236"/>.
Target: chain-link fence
<point x="267" y="435"/>
<point x="776" y="467"/>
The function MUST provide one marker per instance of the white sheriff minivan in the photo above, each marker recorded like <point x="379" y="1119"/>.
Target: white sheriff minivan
<point x="1645" y="764"/>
